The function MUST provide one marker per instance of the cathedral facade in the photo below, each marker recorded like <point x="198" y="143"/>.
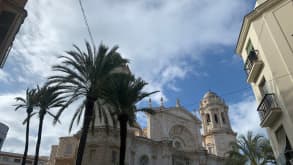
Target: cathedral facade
<point x="172" y="137"/>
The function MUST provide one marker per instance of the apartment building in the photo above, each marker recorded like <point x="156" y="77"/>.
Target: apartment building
<point x="265" y="44"/>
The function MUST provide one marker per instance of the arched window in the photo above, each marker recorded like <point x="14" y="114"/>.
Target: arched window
<point x="144" y="160"/>
<point x="223" y="117"/>
<point x="208" y="118"/>
<point x="216" y="118"/>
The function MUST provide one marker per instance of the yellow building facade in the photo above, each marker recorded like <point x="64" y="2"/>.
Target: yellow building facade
<point x="266" y="46"/>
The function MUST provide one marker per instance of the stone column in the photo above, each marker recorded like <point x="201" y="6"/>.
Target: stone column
<point x="212" y="119"/>
<point x="227" y="118"/>
<point x="204" y="122"/>
<point x="220" y="118"/>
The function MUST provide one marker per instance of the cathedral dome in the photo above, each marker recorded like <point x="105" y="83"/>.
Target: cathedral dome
<point x="210" y="94"/>
<point x="211" y="98"/>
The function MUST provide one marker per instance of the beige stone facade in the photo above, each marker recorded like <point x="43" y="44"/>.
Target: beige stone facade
<point x="12" y="15"/>
<point x="217" y="131"/>
<point x="172" y="137"/>
<point x="266" y="46"/>
<point x="64" y="153"/>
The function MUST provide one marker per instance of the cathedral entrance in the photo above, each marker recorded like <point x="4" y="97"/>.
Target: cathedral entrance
<point x="178" y="160"/>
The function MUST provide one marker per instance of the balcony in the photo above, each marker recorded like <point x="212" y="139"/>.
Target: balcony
<point x="268" y="110"/>
<point x="252" y="66"/>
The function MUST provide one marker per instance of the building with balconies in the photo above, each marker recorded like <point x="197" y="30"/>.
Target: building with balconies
<point x="12" y="15"/>
<point x="265" y="44"/>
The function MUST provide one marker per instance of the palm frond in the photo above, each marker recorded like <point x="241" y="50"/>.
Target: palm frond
<point x="30" y="116"/>
<point x="251" y="148"/>
<point x="146" y="110"/>
<point x="82" y="75"/>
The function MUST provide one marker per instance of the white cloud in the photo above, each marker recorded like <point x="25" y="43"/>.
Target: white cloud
<point x="3" y="76"/>
<point x="244" y="117"/>
<point x="157" y="36"/>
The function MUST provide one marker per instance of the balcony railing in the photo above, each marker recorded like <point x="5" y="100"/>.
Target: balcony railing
<point x="268" y="110"/>
<point x="252" y="66"/>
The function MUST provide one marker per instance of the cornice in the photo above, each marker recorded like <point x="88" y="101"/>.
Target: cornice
<point x="182" y="109"/>
<point x="258" y="11"/>
<point x="15" y="6"/>
<point x="214" y="132"/>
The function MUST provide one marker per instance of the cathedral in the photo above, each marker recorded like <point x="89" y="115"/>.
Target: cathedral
<point x="173" y="136"/>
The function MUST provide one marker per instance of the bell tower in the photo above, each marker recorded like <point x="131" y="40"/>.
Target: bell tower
<point x="217" y="131"/>
<point x="12" y="15"/>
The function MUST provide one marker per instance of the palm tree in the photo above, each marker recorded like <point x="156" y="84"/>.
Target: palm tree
<point x="254" y="149"/>
<point x="82" y="75"/>
<point x="28" y="103"/>
<point x="235" y="157"/>
<point x="123" y="91"/>
<point x="49" y="97"/>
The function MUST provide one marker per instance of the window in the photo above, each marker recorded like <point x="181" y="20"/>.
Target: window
<point x="17" y="160"/>
<point x="114" y="157"/>
<point x="144" y="160"/>
<point x="216" y="118"/>
<point x="263" y="87"/>
<point x="223" y="117"/>
<point x="249" y="47"/>
<point x="5" y="159"/>
<point x="92" y="153"/>
<point x="208" y="118"/>
<point x="68" y="149"/>
<point x="6" y="20"/>
<point x="210" y="148"/>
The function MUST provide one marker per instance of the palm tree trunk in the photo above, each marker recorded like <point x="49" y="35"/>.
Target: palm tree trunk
<point x="26" y="140"/>
<point x="89" y="109"/>
<point x="39" y="139"/>
<point x="123" y="134"/>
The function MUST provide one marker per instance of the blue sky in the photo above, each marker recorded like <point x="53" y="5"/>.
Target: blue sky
<point x="182" y="48"/>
